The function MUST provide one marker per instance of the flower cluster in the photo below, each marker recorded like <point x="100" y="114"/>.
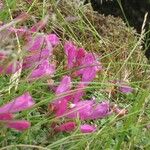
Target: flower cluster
<point x="39" y="50"/>
<point x="21" y="103"/>
<point x="70" y="103"/>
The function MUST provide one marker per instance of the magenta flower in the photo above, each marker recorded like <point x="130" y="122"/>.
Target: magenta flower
<point x="20" y="31"/>
<point x="82" y="109"/>
<point x="23" y="102"/>
<point x="43" y="70"/>
<point x="19" y="125"/>
<point x="60" y="104"/>
<point x="40" y="49"/>
<point x="35" y="43"/>
<point x="10" y="68"/>
<point x="64" y="86"/>
<point x="86" y="128"/>
<point x="79" y="93"/>
<point x="35" y="57"/>
<point x="88" y="109"/>
<point x="6" y="116"/>
<point x="90" y="67"/>
<point x="65" y="127"/>
<point x="125" y="89"/>
<point x="101" y="110"/>
<point x="71" y="53"/>
<point x="80" y="56"/>
<point x="53" y="39"/>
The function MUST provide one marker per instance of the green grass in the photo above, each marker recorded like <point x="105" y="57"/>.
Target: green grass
<point x="127" y="132"/>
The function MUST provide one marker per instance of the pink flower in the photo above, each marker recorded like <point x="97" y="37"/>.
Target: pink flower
<point x="79" y="93"/>
<point x="19" y="125"/>
<point x="23" y="102"/>
<point x="123" y="86"/>
<point x="86" y="128"/>
<point x="43" y="70"/>
<point x="60" y="104"/>
<point x="21" y="31"/>
<point x="71" y="53"/>
<point x="125" y="89"/>
<point x="80" y="56"/>
<point x="53" y="39"/>
<point x="10" y="69"/>
<point x="34" y="57"/>
<point x="66" y="127"/>
<point x="101" y="110"/>
<point x="35" y="43"/>
<point x="64" y="86"/>
<point x="91" y="67"/>
<point x="6" y="116"/>
<point x="88" y="109"/>
<point x="82" y="109"/>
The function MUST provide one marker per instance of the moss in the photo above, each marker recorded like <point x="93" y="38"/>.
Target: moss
<point x="108" y="36"/>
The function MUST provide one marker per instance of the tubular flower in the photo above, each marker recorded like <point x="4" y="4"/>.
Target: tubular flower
<point x="79" y="93"/>
<point x="65" y="127"/>
<point x="82" y="110"/>
<point x="23" y="102"/>
<point x="88" y="109"/>
<point x="90" y="67"/>
<point x="86" y="128"/>
<point x="60" y="104"/>
<point x="19" y="125"/>
<point x="43" y="70"/>
<point x="125" y="89"/>
<point x="53" y="39"/>
<point x="34" y="57"/>
<point x="71" y="53"/>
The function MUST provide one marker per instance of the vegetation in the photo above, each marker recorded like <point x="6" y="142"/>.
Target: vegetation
<point x="121" y="77"/>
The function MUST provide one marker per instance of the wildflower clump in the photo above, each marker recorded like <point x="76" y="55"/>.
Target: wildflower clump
<point x="70" y="103"/>
<point x="7" y="111"/>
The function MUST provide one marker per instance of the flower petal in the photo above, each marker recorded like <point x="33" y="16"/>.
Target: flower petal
<point x="66" y="127"/>
<point x="44" y="69"/>
<point x="71" y="52"/>
<point x="6" y="116"/>
<point x="53" y="39"/>
<point x="23" y="102"/>
<point x="64" y="86"/>
<point x="82" y="109"/>
<point x="34" y="57"/>
<point x="19" y="125"/>
<point x="35" y="43"/>
<point x="101" y="110"/>
<point x="125" y="89"/>
<point x="86" y="128"/>
<point x="79" y="93"/>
